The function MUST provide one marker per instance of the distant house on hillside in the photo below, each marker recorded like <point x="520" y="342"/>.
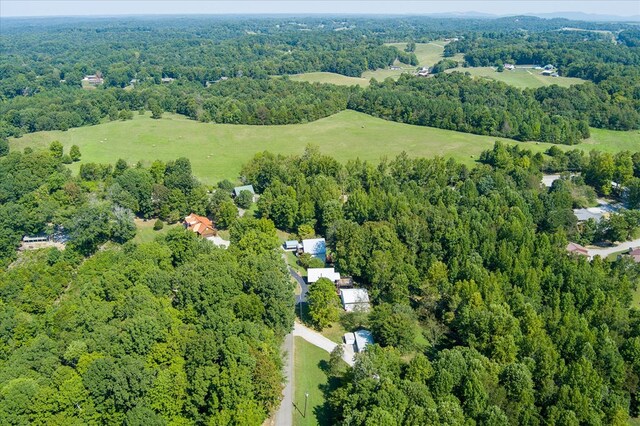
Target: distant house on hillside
<point x="93" y="79"/>
<point x="547" y="72"/>
<point x="509" y="67"/>
<point x="575" y="248"/>
<point x="200" y="225"/>
<point x="548" y="67"/>
<point x="423" y="72"/>
<point x="635" y="254"/>
<point x="166" y="79"/>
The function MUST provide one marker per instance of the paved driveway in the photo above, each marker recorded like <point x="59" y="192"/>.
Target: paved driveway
<point x="604" y="252"/>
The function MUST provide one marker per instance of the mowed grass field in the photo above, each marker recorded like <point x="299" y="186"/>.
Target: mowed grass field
<point x="520" y="77"/>
<point x="310" y="377"/>
<point x="330" y="77"/>
<point x="218" y="151"/>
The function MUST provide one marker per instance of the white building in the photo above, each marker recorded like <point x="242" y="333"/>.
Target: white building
<point x="314" y="274"/>
<point x="355" y="299"/>
<point x="316" y="247"/>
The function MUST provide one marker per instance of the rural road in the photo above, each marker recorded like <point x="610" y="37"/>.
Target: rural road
<point x="604" y="252"/>
<point x="284" y="415"/>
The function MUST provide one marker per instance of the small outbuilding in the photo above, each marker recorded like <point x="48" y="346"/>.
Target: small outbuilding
<point x="355" y="299"/>
<point x="362" y="339"/>
<point x="290" y="245"/>
<point x="349" y="338"/>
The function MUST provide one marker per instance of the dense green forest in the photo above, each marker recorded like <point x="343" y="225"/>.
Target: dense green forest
<point x="172" y="331"/>
<point x="474" y="260"/>
<point x="219" y="69"/>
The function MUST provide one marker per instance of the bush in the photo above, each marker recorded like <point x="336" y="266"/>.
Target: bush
<point x="66" y="159"/>
<point x="158" y="225"/>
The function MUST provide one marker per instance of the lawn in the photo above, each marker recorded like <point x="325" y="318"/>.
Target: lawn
<point x="310" y="377"/>
<point x="145" y="232"/>
<point x="218" y="151"/>
<point x="520" y="77"/>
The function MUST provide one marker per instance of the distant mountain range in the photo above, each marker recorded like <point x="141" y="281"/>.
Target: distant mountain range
<point x="574" y="16"/>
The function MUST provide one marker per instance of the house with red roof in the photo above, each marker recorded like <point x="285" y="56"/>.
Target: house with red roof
<point x="201" y="225"/>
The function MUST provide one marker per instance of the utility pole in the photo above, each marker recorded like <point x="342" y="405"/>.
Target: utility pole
<point x="306" y="396"/>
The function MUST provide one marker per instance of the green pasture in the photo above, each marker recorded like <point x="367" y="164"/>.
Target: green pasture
<point x="218" y="151"/>
<point x="330" y="77"/>
<point x="520" y="77"/>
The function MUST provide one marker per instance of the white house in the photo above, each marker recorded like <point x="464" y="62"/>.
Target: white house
<point x="355" y="299"/>
<point x="314" y="274"/>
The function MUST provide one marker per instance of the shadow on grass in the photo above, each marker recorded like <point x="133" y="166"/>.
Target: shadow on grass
<point x="302" y="313"/>
<point x="323" y="413"/>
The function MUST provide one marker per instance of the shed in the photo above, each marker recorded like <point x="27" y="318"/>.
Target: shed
<point x="291" y="245"/>
<point x="314" y="274"/>
<point x="349" y="338"/>
<point x="355" y="299"/>
<point x="363" y="338"/>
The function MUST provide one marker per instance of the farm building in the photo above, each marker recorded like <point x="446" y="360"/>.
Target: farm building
<point x="362" y="339"/>
<point x="93" y="79"/>
<point x="509" y="67"/>
<point x="316" y="247"/>
<point x="200" y="225"/>
<point x="314" y="274"/>
<point x="355" y="299"/>
<point x="547" y="72"/>
<point x="238" y="189"/>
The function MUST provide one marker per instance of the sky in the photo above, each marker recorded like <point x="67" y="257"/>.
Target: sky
<point x="10" y="8"/>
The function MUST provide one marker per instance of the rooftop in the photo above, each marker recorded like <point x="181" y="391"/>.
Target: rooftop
<point x="355" y="299"/>
<point x="314" y="274"/>
<point x="314" y="246"/>
<point x="238" y="189"/>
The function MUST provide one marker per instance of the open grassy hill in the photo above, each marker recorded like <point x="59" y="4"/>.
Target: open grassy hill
<point x="430" y="53"/>
<point x="520" y="77"/>
<point x="217" y="151"/>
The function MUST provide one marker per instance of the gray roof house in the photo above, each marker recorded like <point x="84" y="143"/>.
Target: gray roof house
<point x="238" y="189"/>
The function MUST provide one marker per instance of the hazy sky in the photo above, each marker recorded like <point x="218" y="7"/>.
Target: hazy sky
<point x="136" y="7"/>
